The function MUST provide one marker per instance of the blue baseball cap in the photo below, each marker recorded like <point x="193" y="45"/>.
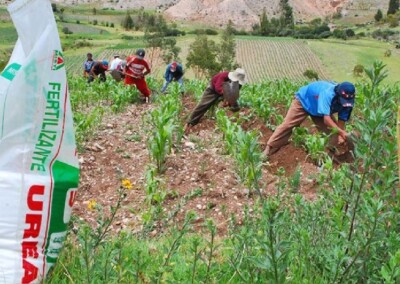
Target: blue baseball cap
<point x="104" y="62"/>
<point x="346" y="92"/>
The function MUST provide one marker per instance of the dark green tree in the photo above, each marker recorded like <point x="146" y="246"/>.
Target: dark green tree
<point x="54" y="7"/>
<point x="264" y="23"/>
<point x="202" y="57"/>
<point x="378" y="16"/>
<point x="127" y="23"/>
<point x="227" y="48"/>
<point x="393" y="7"/>
<point x="287" y="20"/>
<point x="158" y="42"/>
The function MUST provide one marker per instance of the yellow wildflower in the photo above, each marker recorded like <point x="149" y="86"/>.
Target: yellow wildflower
<point x="126" y="183"/>
<point x="92" y="204"/>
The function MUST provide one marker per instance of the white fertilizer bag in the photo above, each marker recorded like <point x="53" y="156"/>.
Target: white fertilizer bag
<point x="38" y="163"/>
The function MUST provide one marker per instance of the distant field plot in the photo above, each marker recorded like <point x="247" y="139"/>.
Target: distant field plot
<point x="8" y="35"/>
<point x="340" y="57"/>
<point x="74" y="63"/>
<point x="84" y="29"/>
<point x="4" y="15"/>
<point x="265" y="59"/>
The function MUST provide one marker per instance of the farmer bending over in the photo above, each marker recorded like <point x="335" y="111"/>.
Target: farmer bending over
<point x="174" y="72"/>
<point x="98" y="70"/>
<point x="215" y="92"/>
<point x="319" y="100"/>
<point x="134" y="75"/>
<point x="116" y="68"/>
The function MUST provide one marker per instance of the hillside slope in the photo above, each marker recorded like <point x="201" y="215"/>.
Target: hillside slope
<point x="243" y="13"/>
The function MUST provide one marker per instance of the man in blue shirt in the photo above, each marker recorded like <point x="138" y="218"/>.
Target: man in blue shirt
<point x="319" y="100"/>
<point x="174" y="72"/>
<point x="87" y="66"/>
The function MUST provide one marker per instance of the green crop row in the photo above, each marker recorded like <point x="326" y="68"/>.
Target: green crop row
<point x="348" y="234"/>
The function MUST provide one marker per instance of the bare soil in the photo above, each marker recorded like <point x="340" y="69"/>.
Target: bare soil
<point x="119" y="151"/>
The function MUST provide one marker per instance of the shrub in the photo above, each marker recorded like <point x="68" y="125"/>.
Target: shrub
<point x="378" y="16"/>
<point x="127" y="37"/>
<point x="350" y="33"/>
<point x="66" y="30"/>
<point x="94" y="22"/>
<point x="358" y="70"/>
<point x="393" y="21"/>
<point x="311" y="74"/>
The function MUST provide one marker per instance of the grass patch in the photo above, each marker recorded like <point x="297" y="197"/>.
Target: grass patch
<point x="8" y="34"/>
<point x="339" y="57"/>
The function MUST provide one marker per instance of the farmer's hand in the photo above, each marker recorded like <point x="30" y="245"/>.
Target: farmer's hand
<point x="225" y="103"/>
<point x="342" y="138"/>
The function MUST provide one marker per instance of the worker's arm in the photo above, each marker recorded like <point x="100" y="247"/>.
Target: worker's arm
<point x="146" y="66"/>
<point x="339" y="126"/>
<point x="92" y="71"/>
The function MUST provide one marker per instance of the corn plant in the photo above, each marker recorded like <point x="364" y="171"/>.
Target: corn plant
<point x="315" y="147"/>
<point x="228" y="129"/>
<point x="166" y="125"/>
<point x="85" y="123"/>
<point x="243" y="146"/>
<point x="249" y="159"/>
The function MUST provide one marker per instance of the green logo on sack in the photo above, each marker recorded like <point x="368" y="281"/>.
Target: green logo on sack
<point x="11" y="71"/>
<point x="58" y="60"/>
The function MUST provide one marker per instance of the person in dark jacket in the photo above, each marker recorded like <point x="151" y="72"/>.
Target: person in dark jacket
<point x="98" y="70"/>
<point x="215" y="92"/>
<point x="174" y="72"/>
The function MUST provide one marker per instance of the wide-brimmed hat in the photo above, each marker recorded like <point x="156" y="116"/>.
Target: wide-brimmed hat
<point x="346" y="92"/>
<point x="237" y="76"/>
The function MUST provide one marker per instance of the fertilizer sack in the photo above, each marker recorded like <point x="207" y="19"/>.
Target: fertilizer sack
<point x="38" y="163"/>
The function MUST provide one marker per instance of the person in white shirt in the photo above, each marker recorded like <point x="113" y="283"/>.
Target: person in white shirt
<point x="116" y="67"/>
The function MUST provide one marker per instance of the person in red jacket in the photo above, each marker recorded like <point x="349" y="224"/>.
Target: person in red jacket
<point x="214" y="93"/>
<point x="135" y="70"/>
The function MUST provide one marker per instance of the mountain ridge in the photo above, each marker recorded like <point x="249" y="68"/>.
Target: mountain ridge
<point x="243" y="13"/>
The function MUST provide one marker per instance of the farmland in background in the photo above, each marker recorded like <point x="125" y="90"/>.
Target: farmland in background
<point x="277" y="58"/>
<point x="268" y="58"/>
<point x="74" y="63"/>
<point x="262" y="58"/>
<point x="339" y="57"/>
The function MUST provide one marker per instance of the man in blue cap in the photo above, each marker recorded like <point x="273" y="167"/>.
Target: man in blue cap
<point x="319" y="100"/>
<point x="98" y="70"/>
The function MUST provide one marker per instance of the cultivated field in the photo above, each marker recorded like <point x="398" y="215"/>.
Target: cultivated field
<point x="268" y="58"/>
<point x="261" y="58"/>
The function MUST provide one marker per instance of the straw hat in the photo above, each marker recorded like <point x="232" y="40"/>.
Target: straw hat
<point x="237" y="76"/>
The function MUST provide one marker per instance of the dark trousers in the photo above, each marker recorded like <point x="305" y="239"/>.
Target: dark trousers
<point x="209" y="98"/>
<point x="101" y="76"/>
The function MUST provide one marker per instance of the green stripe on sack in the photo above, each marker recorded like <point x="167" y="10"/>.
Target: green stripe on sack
<point x="66" y="180"/>
<point x="11" y="71"/>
